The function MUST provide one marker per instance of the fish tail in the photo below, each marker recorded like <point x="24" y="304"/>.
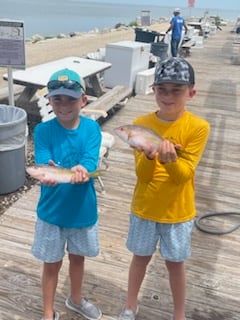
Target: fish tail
<point x="96" y="173"/>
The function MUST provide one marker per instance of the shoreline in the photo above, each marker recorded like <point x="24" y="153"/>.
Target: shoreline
<point x="49" y="49"/>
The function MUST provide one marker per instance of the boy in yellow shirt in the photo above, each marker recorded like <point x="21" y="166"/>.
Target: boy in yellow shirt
<point x="163" y="205"/>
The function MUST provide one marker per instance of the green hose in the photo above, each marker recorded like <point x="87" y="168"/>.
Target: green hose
<point x="211" y="231"/>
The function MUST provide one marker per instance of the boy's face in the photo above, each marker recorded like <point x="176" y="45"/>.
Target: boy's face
<point x="67" y="109"/>
<point x="171" y="99"/>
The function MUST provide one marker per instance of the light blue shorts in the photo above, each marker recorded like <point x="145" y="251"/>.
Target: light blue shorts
<point x="50" y="241"/>
<point x="174" y="239"/>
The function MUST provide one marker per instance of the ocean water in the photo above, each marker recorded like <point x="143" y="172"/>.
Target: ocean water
<point x="52" y="17"/>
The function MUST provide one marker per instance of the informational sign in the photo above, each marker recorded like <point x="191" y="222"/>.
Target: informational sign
<point x="12" y="44"/>
<point x="145" y="18"/>
<point x="191" y="3"/>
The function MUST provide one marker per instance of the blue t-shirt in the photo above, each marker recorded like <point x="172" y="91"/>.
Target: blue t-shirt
<point x="68" y="205"/>
<point x="177" y="23"/>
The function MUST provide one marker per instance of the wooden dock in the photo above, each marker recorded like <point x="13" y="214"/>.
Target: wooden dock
<point x="213" y="273"/>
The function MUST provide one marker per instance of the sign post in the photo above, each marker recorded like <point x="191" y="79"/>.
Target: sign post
<point x="12" y="49"/>
<point x="191" y="4"/>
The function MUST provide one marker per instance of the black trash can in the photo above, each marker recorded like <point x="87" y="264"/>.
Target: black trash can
<point x="13" y="128"/>
<point x="160" y="49"/>
<point x="146" y="36"/>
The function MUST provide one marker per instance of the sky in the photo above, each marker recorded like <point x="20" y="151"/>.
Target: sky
<point x="205" y="4"/>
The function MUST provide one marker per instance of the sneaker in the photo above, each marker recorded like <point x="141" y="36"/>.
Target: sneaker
<point x="56" y="316"/>
<point x="85" y="308"/>
<point x="127" y="314"/>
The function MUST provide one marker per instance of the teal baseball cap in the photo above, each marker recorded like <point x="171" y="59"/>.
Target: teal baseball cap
<point x="65" y="82"/>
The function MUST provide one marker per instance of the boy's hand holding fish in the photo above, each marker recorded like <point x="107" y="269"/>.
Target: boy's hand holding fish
<point x="52" y="174"/>
<point x="165" y="152"/>
<point x="79" y="175"/>
<point x="145" y="140"/>
<point x="150" y="150"/>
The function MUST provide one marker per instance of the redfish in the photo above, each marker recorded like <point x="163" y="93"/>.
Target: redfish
<point x="59" y="174"/>
<point x="139" y="136"/>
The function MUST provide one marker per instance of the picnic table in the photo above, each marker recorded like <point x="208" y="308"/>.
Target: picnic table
<point x="36" y="77"/>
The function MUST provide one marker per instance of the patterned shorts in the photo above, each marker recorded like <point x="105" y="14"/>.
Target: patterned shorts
<point x="174" y="239"/>
<point x="50" y="241"/>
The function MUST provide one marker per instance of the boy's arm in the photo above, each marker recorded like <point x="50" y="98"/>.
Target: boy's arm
<point x="184" y="169"/>
<point x="144" y="167"/>
<point x="90" y="156"/>
<point x="41" y="146"/>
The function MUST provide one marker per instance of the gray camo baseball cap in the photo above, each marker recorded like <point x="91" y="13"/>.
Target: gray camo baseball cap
<point x="174" y="70"/>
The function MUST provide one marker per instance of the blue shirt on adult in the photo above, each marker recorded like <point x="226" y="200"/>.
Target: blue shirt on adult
<point x="68" y="205"/>
<point x="177" y="23"/>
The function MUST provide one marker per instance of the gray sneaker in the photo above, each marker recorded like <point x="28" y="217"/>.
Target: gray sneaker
<point x="85" y="308"/>
<point x="127" y="314"/>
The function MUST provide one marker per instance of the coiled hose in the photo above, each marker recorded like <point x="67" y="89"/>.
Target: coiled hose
<point x="210" y="230"/>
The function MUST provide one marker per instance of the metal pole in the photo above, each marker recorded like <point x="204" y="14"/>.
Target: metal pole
<point x="10" y="87"/>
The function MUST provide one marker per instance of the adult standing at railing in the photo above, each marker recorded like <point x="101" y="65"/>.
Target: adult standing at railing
<point x="176" y="25"/>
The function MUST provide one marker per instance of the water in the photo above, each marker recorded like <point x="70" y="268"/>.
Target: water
<point x="52" y="17"/>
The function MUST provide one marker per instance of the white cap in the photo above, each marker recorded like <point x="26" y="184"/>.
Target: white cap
<point x="177" y="10"/>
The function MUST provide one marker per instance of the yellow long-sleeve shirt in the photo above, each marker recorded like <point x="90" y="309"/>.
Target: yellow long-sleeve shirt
<point x="165" y="192"/>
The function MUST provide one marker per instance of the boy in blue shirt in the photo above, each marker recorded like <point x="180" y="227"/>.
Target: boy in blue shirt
<point x="67" y="213"/>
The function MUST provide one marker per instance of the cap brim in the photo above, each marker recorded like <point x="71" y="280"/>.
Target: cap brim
<point x="64" y="92"/>
<point x="171" y="81"/>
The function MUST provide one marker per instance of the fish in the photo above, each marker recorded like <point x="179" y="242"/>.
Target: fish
<point x="140" y="136"/>
<point x="59" y="174"/>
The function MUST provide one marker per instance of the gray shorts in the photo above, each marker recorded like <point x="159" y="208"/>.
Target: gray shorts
<point x="50" y="241"/>
<point x="174" y="239"/>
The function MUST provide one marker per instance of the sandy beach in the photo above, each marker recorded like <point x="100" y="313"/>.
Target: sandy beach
<point x="56" y="48"/>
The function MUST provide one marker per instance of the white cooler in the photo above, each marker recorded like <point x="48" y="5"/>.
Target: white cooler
<point x="127" y="59"/>
<point x="144" y="81"/>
